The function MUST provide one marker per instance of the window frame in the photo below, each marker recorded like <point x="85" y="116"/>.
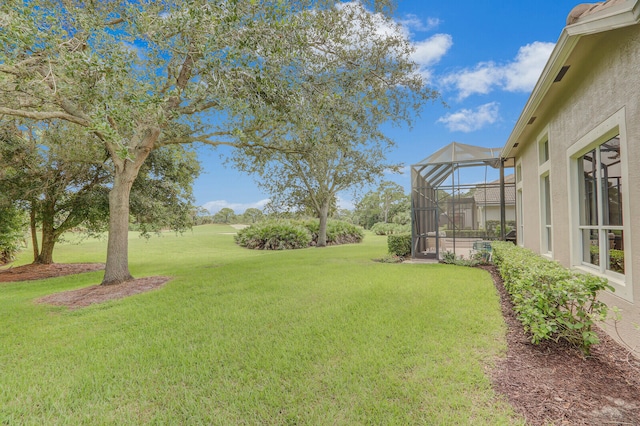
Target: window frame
<point x="603" y="132"/>
<point x="544" y="172"/>
<point x="519" y="204"/>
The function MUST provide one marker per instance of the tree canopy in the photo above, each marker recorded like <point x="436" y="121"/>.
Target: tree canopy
<point x="142" y="75"/>
<point x="55" y="172"/>
<point x="335" y="130"/>
<point x="388" y="203"/>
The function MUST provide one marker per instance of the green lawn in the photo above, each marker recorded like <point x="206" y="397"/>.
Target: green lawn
<point x="314" y="336"/>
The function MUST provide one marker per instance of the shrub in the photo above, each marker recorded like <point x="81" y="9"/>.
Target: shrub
<point x="551" y="301"/>
<point x="382" y="228"/>
<point x="479" y="258"/>
<point x="493" y="227"/>
<point x="340" y="232"/>
<point x="468" y="233"/>
<point x="293" y="234"/>
<point x="399" y="245"/>
<point x="274" y="235"/>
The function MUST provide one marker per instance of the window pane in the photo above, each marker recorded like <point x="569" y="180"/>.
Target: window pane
<point x="611" y="173"/>
<point x="588" y="190"/>
<point x="547" y="200"/>
<point x="544" y="152"/>
<point x="615" y="261"/>
<point x="520" y="233"/>
<point x="546" y="214"/>
<point x="590" y="246"/>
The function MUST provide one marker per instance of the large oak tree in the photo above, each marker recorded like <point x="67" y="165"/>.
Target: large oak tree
<point x="335" y="131"/>
<point x="145" y="74"/>
<point x="63" y="179"/>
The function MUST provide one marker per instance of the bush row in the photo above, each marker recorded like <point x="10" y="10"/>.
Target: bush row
<point x="551" y="301"/>
<point x="295" y="234"/>
<point x="382" y="228"/>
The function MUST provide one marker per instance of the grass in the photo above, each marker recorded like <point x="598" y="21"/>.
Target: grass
<point x="313" y="336"/>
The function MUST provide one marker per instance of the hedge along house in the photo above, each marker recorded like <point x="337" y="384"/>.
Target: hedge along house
<point x="576" y="147"/>
<point x="450" y="210"/>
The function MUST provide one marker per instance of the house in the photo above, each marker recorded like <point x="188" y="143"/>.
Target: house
<point x="487" y="201"/>
<point x="576" y="147"/>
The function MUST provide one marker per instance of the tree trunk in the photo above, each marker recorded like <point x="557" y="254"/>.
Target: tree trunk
<point x="117" y="266"/>
<point x="46" y="254"/>
<point x="49" y="237"/>
<point x="322" y="231"/>
<point x="116" y="269"/>
<point x="34" y="235"/>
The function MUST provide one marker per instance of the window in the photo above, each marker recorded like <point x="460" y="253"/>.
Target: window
<point x="602" y="186"/>
<point x="544" y="151"/>
<point x="598" y="203"/>
<point x="520" y="234"/>
<point x="519" y="205"/>
<point x="545" y="199"/>
<point x="546" y="231"/>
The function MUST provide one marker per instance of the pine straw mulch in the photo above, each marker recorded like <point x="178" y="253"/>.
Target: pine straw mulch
<point x="551" y="383"/>
<point x="81" y="297"/>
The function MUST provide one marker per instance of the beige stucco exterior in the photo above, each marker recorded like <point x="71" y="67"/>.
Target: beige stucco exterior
<point x="598" y="95"/>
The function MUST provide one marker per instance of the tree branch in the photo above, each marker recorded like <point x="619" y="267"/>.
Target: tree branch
<point x="193" y="109"/>
<point x="45" y="115"/>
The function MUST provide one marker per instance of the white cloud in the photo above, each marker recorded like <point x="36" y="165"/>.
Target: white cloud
<point x="467" y="120"/>
<point x="239" y="208"/>
<point x="413" y="22"/>
<point x="429" y="52"/>
<point x="522" y="74"/>
<point x="480" y="80"/>
<point x="519" y="75"/>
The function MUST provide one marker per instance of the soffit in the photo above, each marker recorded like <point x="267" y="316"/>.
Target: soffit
<point x="574" y="43"/>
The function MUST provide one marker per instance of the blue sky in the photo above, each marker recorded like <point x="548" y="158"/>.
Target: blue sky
<point x="483" y="57"/>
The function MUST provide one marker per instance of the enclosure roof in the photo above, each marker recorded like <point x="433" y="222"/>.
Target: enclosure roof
<point x="457" y="152"/>
<point x="436" y="168"/>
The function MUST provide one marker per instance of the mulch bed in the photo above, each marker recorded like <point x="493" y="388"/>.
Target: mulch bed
<point x="551" y="383"/>
<point x="39" y="272"/>
<point x="86" y="296"/>
<point x="82" y="297"/>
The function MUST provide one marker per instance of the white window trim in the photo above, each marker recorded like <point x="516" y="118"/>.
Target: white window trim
<point x="612" y="126"/>
<point x="543" y="171"/>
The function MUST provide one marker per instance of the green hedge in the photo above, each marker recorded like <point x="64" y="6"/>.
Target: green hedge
<point x="551" y="301"/>
<point x="338" y="231"/>
<point x="382" y="228"/>
<point x="295" y="234"/>
<point x="274" y="235"/>
<point x="399" y="245"/>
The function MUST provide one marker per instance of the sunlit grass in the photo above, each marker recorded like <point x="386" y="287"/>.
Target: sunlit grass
<point x="314" y="336"/>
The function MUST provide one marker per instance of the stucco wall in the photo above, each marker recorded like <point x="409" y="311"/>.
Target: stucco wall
<point x="530" y="197"/>
<point x="596" y="87"/>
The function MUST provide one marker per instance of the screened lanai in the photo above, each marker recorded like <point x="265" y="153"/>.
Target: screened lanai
<point x="460" y="197"/>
